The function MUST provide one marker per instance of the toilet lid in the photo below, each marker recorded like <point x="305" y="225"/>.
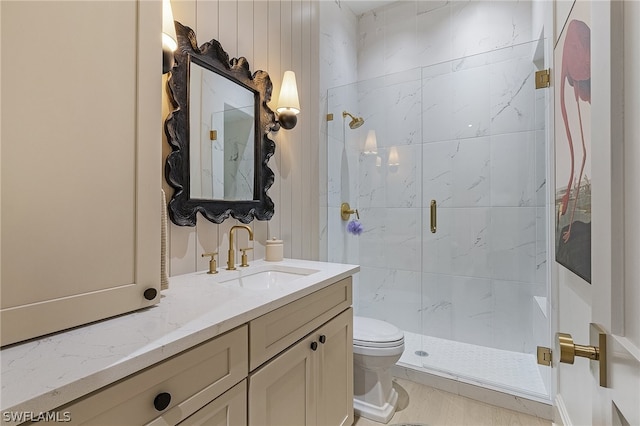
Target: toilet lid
<point x="375" y="333"/>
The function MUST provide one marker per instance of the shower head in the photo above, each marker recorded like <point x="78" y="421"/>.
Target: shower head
<point x="355" y="121"/>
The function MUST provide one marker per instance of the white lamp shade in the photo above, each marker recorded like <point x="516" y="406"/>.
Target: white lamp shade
<point x="371" y="144"/>
<point x="393" y="157"/>
<point x="169" y="38"/>
<point x="288" y="101"/>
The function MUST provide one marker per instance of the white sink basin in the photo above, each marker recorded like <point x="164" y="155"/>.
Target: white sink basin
<point x="266" y="277"/>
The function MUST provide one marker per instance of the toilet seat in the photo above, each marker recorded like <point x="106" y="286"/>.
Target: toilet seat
<point x="373" y="333"/>
<point x="366" y="344"/>
<point x="379" y="351"/>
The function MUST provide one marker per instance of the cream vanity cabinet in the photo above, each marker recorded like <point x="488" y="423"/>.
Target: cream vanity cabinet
<point x="81" y="162"/>
<point x="290" y="366"/>
<point x="310" y="382"/>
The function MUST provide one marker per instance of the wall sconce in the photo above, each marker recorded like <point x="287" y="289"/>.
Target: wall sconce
<point x="288" y="104"/>
<point x="394" y="160"/>
<point x="370" y="144"/>
<point x="169" y="38"/>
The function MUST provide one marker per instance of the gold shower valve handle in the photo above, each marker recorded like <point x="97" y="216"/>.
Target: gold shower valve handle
<point x="346" y="211"/>
<point x="569" y="350"/>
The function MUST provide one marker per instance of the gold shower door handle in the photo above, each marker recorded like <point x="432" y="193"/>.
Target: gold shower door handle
<point x="434" y="221"/>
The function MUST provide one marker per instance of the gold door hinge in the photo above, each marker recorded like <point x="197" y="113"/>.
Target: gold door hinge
<point x="329" y="117"/>
<point x="543" y="79"/>
<point x="544" y="355"/>
<point x="213" y="135"/>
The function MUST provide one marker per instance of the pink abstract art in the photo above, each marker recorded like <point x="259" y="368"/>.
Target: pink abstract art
<point x="573" y="143"/>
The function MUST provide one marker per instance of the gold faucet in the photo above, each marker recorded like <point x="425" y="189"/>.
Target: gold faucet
<point x="231" y="264"/>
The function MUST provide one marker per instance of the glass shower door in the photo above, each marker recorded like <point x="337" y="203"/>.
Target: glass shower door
<point x="468" y="134"/>
<point x="484" y="267"/>
<point x="377" y="168"/>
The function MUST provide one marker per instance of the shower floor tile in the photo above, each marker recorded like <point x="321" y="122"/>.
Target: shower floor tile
<point x="514" y="371"/>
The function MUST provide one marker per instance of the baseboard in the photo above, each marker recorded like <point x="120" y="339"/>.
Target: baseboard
<point x="531" y="406"/>
<point x="560" y="413"/>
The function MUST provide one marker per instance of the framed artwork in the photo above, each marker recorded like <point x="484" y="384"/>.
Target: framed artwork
<point x="572" y="97"/>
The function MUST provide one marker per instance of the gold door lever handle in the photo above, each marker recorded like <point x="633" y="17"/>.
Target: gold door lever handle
<point x="597" y="351"/>
<point x="569" y="350"/>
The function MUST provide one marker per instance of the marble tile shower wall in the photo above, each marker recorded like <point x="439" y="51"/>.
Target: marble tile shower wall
<point x="338" y="62"/>
<point x="468" y="133"/>
<point x="343" y="180"/>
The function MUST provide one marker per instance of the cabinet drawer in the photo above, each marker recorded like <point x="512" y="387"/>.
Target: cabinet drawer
<point x="192" y="378"/>
<point x="228" y="409"/>
<point x="272" y="333"/>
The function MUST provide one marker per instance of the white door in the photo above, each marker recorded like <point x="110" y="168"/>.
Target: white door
<point x="613" y="298"/>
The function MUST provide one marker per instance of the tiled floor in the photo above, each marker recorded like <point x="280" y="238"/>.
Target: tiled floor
<point x="512" y="371"/>
<point x="422" y="405"/>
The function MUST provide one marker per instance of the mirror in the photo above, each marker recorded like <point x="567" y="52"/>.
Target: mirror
<point x="221" y="116"/>
<point x="219" y="135"/>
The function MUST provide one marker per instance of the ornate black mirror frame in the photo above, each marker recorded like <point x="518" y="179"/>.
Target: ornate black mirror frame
<point x="211" y="55"/>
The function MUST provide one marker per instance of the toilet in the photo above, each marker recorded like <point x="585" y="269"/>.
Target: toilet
<point x="377" y="345"/>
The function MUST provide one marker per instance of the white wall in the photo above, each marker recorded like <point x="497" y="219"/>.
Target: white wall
<point x="411" y="34"/>
<point x="574" y="295"/>
<point x="602" y="301"/>
<point x="338" y="67"/>
<point x="274" y="36"/>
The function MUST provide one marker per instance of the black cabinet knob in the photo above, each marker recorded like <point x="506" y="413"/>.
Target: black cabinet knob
<point x="162" y="401"/>
<point x="314" y="346"/>
<point x="150" y="293"/>
<point x="323" y="338"/>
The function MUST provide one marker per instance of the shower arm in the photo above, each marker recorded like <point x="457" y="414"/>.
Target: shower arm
<point x="345" y="113"/>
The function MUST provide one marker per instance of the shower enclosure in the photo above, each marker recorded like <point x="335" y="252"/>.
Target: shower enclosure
<point x="452" y="199"/>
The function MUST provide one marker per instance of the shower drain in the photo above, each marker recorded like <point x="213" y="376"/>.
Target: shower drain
<point x="421" y="353"/>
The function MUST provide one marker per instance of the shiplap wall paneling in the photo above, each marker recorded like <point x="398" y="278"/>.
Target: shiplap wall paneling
<point x="289" y="138"/>
<point x="181" y="239"/>
<point x="310" y="145"/>
<point x="257" y="39"/>
<point x="299" y="174"/>
<point x="274" y="70"/>
<point x="317" y="215"/>
<point x="216" y="20"/>
<point x="275" y="36"/>
<point x="304" y="64"/>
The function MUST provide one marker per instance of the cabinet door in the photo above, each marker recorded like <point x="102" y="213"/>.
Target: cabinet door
<point x="229" y="409"/>
<point x="283" y="392"/>
<point x="277" y="330"/>
<point x="335" y="371"/>
<point x="81" y="162"/>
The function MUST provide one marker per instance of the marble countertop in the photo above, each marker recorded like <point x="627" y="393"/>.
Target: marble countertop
<point x="40" y="375"/>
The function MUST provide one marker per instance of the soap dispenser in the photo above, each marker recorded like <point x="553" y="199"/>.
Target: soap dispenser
<point x="274" y="250"/>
